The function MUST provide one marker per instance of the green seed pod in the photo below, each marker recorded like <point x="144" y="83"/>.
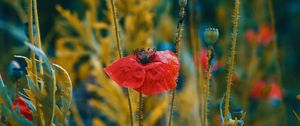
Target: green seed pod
<point x="182" y="3"/>
<point x="211" y="35"/>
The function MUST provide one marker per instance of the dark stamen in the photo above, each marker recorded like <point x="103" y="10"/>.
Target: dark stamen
<point x="144" y="56"/>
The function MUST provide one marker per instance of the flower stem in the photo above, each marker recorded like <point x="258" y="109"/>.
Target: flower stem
<point x="31" y="40"/>
<point x="207" y="88"/>
<point x="32" y="54"/>
<point x="140" y="109"/>
<point x="274" y="42"/>
<point x="178" y="39"/>
<point x="38" y="39"/>
<point x="120" y="54"/>
<point x="231" y="61"/>
<point x="116" y="28"/>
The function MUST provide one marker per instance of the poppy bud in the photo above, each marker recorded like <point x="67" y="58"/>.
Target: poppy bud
<point x="182" y="3"/>
<point x="211" y="35"/>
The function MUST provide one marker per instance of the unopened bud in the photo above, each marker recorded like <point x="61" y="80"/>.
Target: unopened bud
<point x="211" y="35"/>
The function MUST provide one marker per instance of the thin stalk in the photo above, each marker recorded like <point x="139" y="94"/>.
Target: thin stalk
<point x="116" y="28"/>
<point x="207" y="88"/>
<point x="235" y="122"/>
<point x="231" y="61"/>
<point x="31" y="40"/>
<point x="38" y="39"/>
<point x="32" y="54"/>
<point x="140" y="109"/>
<point x="194" y="43"/>
<point x="274" y="42"/>
<point x="178" y="40"/>
<point x="120" y="54"/>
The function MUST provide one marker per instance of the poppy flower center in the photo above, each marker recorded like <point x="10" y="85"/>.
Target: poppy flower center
<point x="145" y="56"/>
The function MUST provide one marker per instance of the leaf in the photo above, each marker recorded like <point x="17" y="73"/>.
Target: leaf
<point x="40" y="53"/>
<point x="4" y="96"/>
<point x="105" y="109"/>
<point x="29" y="65"/>
<point x="297" y="116"/>
<point x="44" y="100"/>
<point x="12" y="116"/>
<point x="98" y="122"/>
<point x="18" y="33"/>
<point x="65" y="87"/>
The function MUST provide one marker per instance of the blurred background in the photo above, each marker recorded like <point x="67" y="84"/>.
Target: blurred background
<point x="78" y="35"/>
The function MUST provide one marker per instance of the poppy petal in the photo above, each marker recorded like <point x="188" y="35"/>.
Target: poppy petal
<point x="159" y="78"/>
<point x="171" y="60"/>
<point x="127" y="72"/>
<point x="24" y="108"/>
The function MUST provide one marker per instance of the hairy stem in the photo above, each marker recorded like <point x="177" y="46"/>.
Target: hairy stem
<point x="178" y="40"/>
<point x="207" y="88"/>
<point x="140" y="109"/>
<point x="116" y="29"/>
<point x="231" y="61"/>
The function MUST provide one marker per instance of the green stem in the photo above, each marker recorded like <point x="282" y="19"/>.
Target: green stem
<point x="120" y="54"/>
<point x="231" y="61"/>
<point x="178" y="40"/>
<point x="34" y="71"/>
<point x="38" y="39"/>
<point x="275" y="48"/>
<point x="140" y="109"/>
<point x="31" y="40"/>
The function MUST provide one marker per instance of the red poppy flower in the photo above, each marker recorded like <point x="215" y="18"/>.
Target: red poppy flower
<point x="24" y="108"/>
<point x="257" y="89"/>
<point x="276" y="92"/>
<point x="263" y="36"/>
<point x="251" y="36"/>
<point x="147" y="71"/>
<point x="271" y="91"/>
<point x="203" y="61"/>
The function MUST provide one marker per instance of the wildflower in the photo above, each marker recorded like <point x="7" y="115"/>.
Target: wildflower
<point x="263" y="36"/>
<point x="20" y="105"/>
<point x="147" y="71"/>
<point x="256" y="90"/>
<point x="203" y="61"/>
<point x="251" y="36"/>
<point x="272" y="92"/>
